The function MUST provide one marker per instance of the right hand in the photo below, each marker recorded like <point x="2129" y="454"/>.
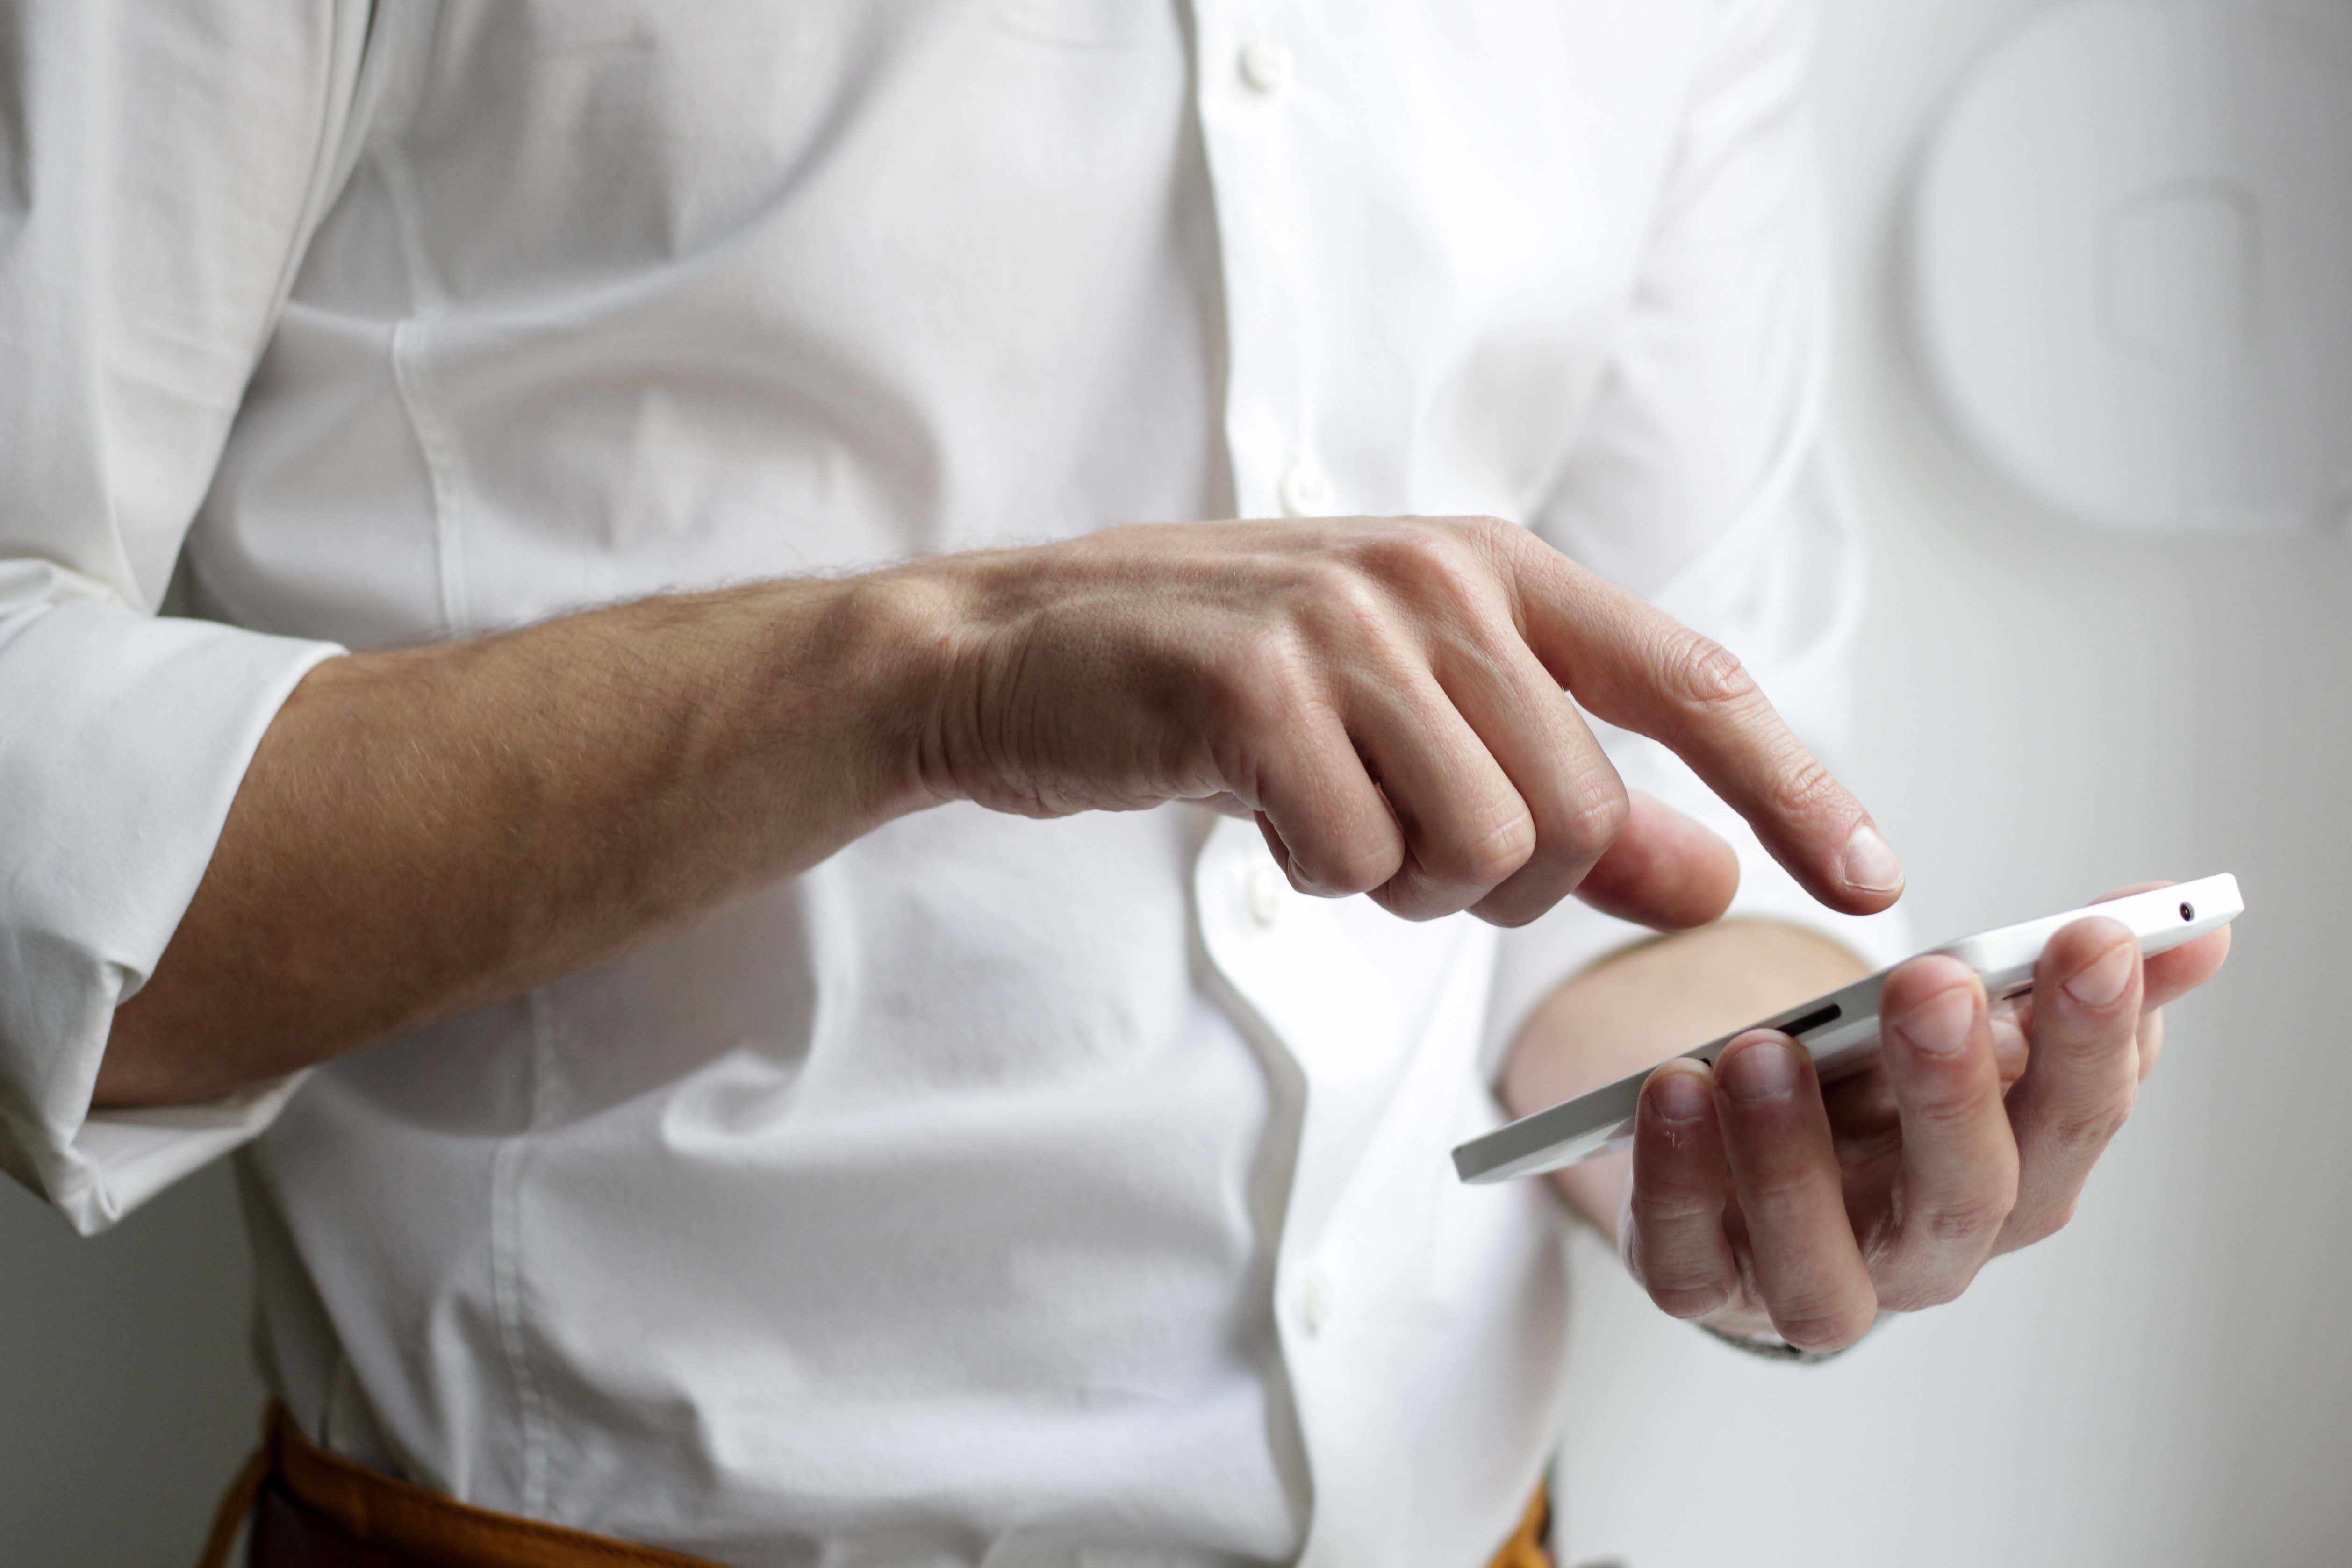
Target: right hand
<point x="1386" y="697"/>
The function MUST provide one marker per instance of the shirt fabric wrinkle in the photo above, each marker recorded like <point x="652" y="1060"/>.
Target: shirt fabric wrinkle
<point x="999" y="1191"/>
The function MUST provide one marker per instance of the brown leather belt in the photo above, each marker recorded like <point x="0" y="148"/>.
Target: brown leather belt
<point x="313" y="1508"/>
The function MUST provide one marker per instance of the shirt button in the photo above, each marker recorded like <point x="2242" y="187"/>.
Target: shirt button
<point x="1321" y="1299"/>
<point x="1263" y="893"/>
<point x="1268" y="64"/>
<point x="1305" y="490"/>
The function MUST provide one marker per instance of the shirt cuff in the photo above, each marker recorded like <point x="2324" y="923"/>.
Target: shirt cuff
<point x="127" y="738"/>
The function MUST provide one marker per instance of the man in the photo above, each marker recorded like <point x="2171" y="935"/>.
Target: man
<point x="801" y="996"/>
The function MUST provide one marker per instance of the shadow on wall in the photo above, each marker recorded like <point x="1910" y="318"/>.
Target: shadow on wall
<point x="126" y="1396"/>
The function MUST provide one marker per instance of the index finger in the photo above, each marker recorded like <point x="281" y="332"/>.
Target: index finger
<point x="1639" y="669"/>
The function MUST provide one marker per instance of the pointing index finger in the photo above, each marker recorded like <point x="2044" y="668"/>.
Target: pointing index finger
<point x="1640" y="669"/>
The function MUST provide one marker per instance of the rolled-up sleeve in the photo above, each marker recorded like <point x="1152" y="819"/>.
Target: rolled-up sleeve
<point x="1703" y="478"/>
<point x="161" y="167"/>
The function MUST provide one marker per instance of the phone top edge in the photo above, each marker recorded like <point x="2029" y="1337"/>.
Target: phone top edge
<point x="2160" y="918"/>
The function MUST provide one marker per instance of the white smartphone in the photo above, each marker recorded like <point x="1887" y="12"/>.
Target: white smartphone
<point x="1839" y="1030"/>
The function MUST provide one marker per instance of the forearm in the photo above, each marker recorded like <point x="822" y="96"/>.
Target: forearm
<point x="426" y="831"/>
<point x="1645" y="1004"/>
<point x="423" y="832"/>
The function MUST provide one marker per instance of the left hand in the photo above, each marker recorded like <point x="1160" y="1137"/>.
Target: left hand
<point x="1761" y="1201"/>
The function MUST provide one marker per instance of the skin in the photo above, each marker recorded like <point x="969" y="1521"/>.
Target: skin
<point x="1395" y="701"/>
<point x="1758" y="1202"/>
<point x="423" y="831"/>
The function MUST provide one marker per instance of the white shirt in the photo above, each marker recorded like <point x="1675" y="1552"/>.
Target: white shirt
<point x="999" y="1191"/>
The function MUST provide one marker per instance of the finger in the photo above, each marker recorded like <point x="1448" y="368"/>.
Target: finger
<point x="1565" y="781"/>
<point x="1466" y="828"/>
<point x="1325" y="822"/>
<point x="1807" y="1267"/>
<point x="2084" y="1073"/>
<point x="1639" y="668"/>
<point x="2164" y="978"/>
<point x="2171" y="975"/>
<point x="1958" y="1176"/>
<point x="1674" y="1245"/>
<point x="2012" y="1039"/>
<point x="1666" y="871"/>
<point x="1862" y="1110"/>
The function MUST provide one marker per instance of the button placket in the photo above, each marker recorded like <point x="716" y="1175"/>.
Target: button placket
<point x="1248" y="114"/>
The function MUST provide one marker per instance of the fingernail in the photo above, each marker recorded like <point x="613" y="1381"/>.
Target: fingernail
<point x="1870" y="864"/>
<point x="2098" y="983"/>
<point x="1679" y="1095"/>
<point x="1939" y="1025"/>
<point x="1762" y="1070"/>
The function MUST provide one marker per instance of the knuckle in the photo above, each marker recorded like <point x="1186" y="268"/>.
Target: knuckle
<point x="1406" y="551"/>
<point x="1703" y="672"/>
<point x="1777" y="1191"/>
<point x="1492" y="544"/>
<point x="1349" y="869"/>
<point x="1493" y="855"/>
<point x="1456" y="582"/>
<point x="1343" y="604"/>
<point x="1940" y="1289"/>
<point x="1828" y="1326"/>
<point x="1491" y="535"/>
<point x="1915" y="1295"/>
<point x="1512" y="906"/>
<point x="1450" y="582"/>
<point x="1804" y="785"/>
<point x="2046" y="1222"/>
<point x="1345" y="860"/>
<point x="1409" y="895"/>
<point x="1952" y="1115"/>
<point x="1653" y="1210"/>
<point x="2088" y="1130"/>
<point x="1969" y="1220"/>
<point x="1596" y="820"/>
<point x="1691" y="1300"/>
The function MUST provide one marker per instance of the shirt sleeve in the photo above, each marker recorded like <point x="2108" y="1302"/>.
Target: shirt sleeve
<point x="1703" y="478"/>
<point x="161" y="168"/>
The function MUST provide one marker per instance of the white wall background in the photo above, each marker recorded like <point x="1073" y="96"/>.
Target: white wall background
<point x="2048" y="712"/>
<point x="126" y="1397"/>
<point x="2045" y="712"/>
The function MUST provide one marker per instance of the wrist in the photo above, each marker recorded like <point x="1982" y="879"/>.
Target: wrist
<point x="955" y="628"/>
<point x="910" y="645"/>
<point x="807" y="692"/>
